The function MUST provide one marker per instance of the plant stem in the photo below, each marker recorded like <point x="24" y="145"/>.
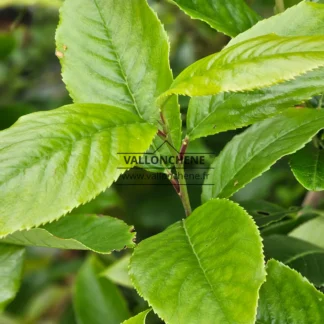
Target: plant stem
<point x="183" y="194"/>
<point x="313" y="199"/>
<point x="280" y="5"/>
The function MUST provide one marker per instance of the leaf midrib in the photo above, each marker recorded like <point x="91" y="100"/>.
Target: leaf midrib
<point x="202" y="269"/>
<point x="118" y="60"/>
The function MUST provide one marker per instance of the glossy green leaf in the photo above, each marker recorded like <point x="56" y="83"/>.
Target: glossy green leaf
<point x="97" y="300"/>
<point x="11" y="266"/>
<point x="117" y="53"/>
<point x="256" y="63"/>
<point x="229" y="17"/>
<point x="78" y="232"/>
<point x="39" y="156"/>
<point x="254" y="151"/>
<point x="265" y="213"/>
<point x="288" y="298"/>
<point x="306" y="258"/>
<point x="311" y="231"/>
<point x="289" y="23"/>
<point x="43" y="3"/>
<point x="308" y="167"/>
<point x="118" y="272"/>
<point x="207" y="261"/>
<point x="228" y="111"/>
<point x="138" y="319"/>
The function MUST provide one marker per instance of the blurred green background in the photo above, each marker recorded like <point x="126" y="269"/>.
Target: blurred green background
<point x="30" y="81"/>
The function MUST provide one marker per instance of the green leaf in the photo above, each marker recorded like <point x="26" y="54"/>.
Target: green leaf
<point x="286" y="226"/>
<point x="229" y="17"/>
<point x="306" y="258"/>
<point x="7" y="44"/>
<point x="256" y="63"/>
<point x="96" y="300"/>
<point x="308" y="167"/>
<point x="117" y="53"/>
<point x="288" y="298"/>
<point x="207" y="261"/>
<point x="311" y="231"/>
<point x="11" y="266"/>
<point x="42" y="3"/>
<point x="228" y="111"/>
<point x="78" y="232"/>
<point x="254" y="151"/>
<point x="265" y="213"/>
<point x="118" y="272"/>
<point x="289" y="23"/>
<point x="39" y="156"/>
<point x="138" y="319"/>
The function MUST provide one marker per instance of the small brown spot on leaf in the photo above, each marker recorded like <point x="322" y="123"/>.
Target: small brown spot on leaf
<point x="235" y="183"/>
<point x="64" y="47"/>
<point x="59" y="54"/>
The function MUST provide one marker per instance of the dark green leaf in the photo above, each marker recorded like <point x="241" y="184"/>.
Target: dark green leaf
<point x="230" y="17"/>
<point x="265" y="213"/>
<point x="11" y="265"/>
<point x="308" y="167"/>
<point x="306" y="258"/>
<point x="96" y="299"/>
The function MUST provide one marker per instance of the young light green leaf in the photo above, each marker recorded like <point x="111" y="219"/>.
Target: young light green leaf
<point x="227" y="111"/>
<point x="11" y="265"/>
<point x="230" y="17"/>
<point x="138" y="319"/>
<point x="78" y="232"/>
<point x="306" y="258"/>
<point x="308" y="167"/>
<point x="207" y="261"/>
<point x="289" y="23"/>
<point x="96" y="300"/>
<point x="118" y="272"/>
<point x="311" y="231"/>
<point x="117" y="53"/>
<point x="288" y="298"/>
<point x="40" y="154"/>
<point x="254" y="151"/>
<point x="254" y="64"/>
